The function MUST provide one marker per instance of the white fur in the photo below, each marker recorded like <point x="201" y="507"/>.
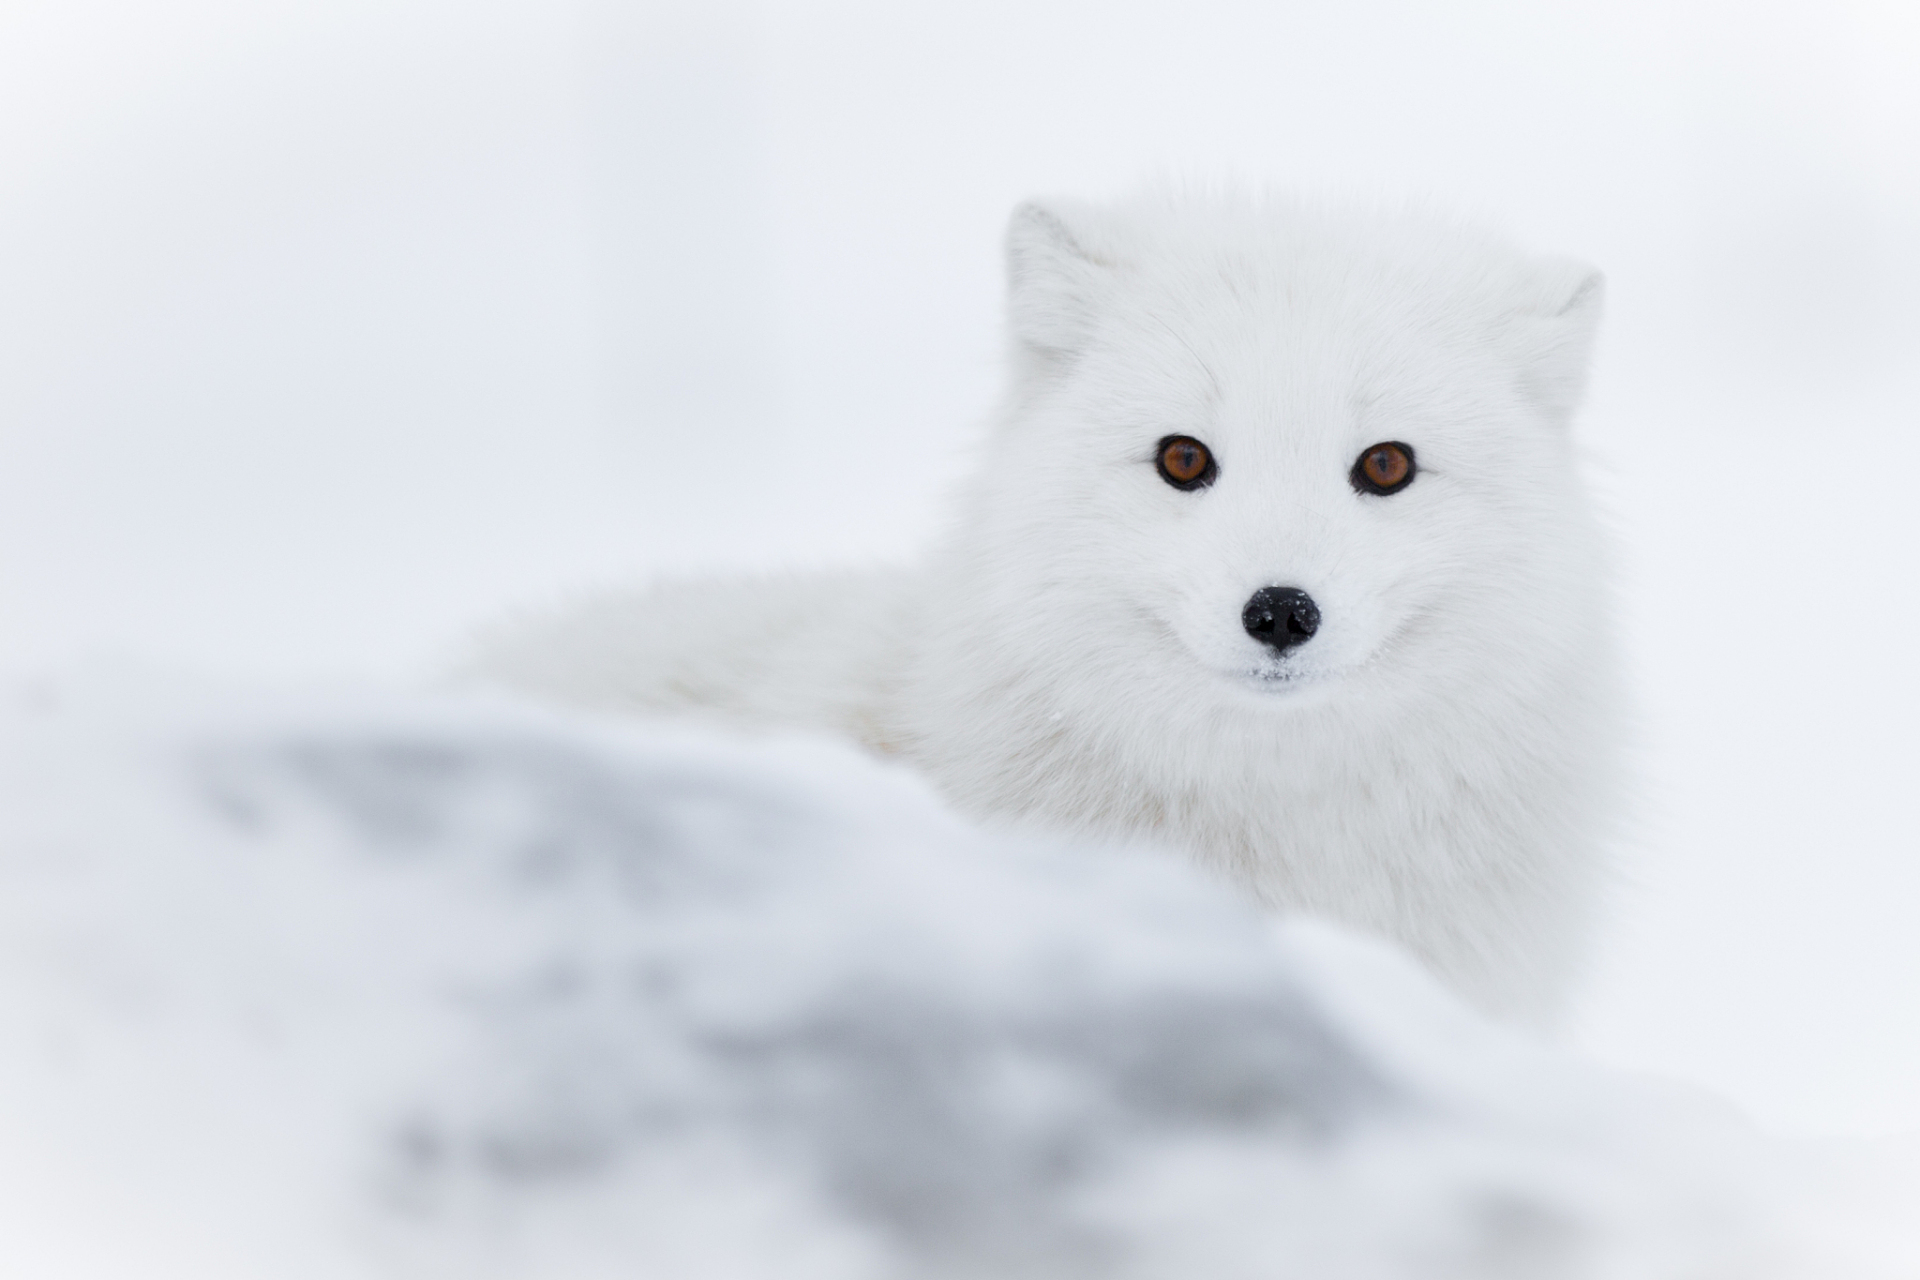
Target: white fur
<point x="1436" y="764"/>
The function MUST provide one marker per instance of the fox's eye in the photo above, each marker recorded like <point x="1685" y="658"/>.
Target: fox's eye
<point x="1386" y="467"/>
<point x="1185" y="463"/>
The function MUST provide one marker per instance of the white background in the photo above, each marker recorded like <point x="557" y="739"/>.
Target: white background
<point x="329" y="328"/>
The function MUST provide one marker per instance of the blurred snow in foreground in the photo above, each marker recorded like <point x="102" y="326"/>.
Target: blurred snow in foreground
<point x="384" y="987"/>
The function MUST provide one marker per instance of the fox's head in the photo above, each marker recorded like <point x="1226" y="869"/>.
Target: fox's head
<point x="1281" y="446"/>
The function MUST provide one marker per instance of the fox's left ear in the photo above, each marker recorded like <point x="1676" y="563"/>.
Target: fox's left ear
<point x="1555" y="327"/>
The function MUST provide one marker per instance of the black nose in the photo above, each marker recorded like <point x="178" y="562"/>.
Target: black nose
<point x="1281" y="616"/>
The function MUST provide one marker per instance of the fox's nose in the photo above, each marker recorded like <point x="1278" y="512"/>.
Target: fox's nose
<point x="1281" y="616"/>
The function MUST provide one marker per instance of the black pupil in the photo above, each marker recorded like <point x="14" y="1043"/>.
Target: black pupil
<point x="1384" y="465"/>
<point x="1186" y="460"/>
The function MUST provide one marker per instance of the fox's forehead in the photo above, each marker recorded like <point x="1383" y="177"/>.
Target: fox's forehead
<point x="1240" y="297"/>
<point x="1289" y="340"/>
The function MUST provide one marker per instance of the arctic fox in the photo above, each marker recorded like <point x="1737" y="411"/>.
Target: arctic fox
<point x="1277" y="553"/>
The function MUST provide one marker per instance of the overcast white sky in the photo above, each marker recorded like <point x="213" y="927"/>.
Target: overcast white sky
<point x="328" y="328"/>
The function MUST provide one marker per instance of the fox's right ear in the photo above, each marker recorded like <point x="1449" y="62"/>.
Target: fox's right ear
<point x="1058" y="277"/>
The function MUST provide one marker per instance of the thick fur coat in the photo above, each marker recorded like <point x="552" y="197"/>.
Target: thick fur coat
<point x="1434" y="761"/>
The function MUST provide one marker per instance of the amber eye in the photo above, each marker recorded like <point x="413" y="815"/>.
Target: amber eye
<point x="1185" y="463"/>
<point x="1386" y="467"/>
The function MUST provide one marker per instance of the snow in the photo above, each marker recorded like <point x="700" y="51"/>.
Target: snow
<point x="361" y="984"/>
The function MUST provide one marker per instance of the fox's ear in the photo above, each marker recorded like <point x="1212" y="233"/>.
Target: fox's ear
<point x="1058" y="276"/>
<point x="1559" y="315"/>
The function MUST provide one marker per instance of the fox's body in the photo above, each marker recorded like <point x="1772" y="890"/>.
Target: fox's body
<point x="1429" y="754"/>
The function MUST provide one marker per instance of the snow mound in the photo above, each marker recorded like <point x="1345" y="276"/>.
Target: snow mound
<point x="397" y="987"/>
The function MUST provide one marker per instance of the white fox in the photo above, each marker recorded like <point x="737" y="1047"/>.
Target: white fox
<point x="1277" y="553"/>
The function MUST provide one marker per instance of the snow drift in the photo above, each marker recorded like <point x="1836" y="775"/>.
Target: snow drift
<point x="378" y="987"/>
